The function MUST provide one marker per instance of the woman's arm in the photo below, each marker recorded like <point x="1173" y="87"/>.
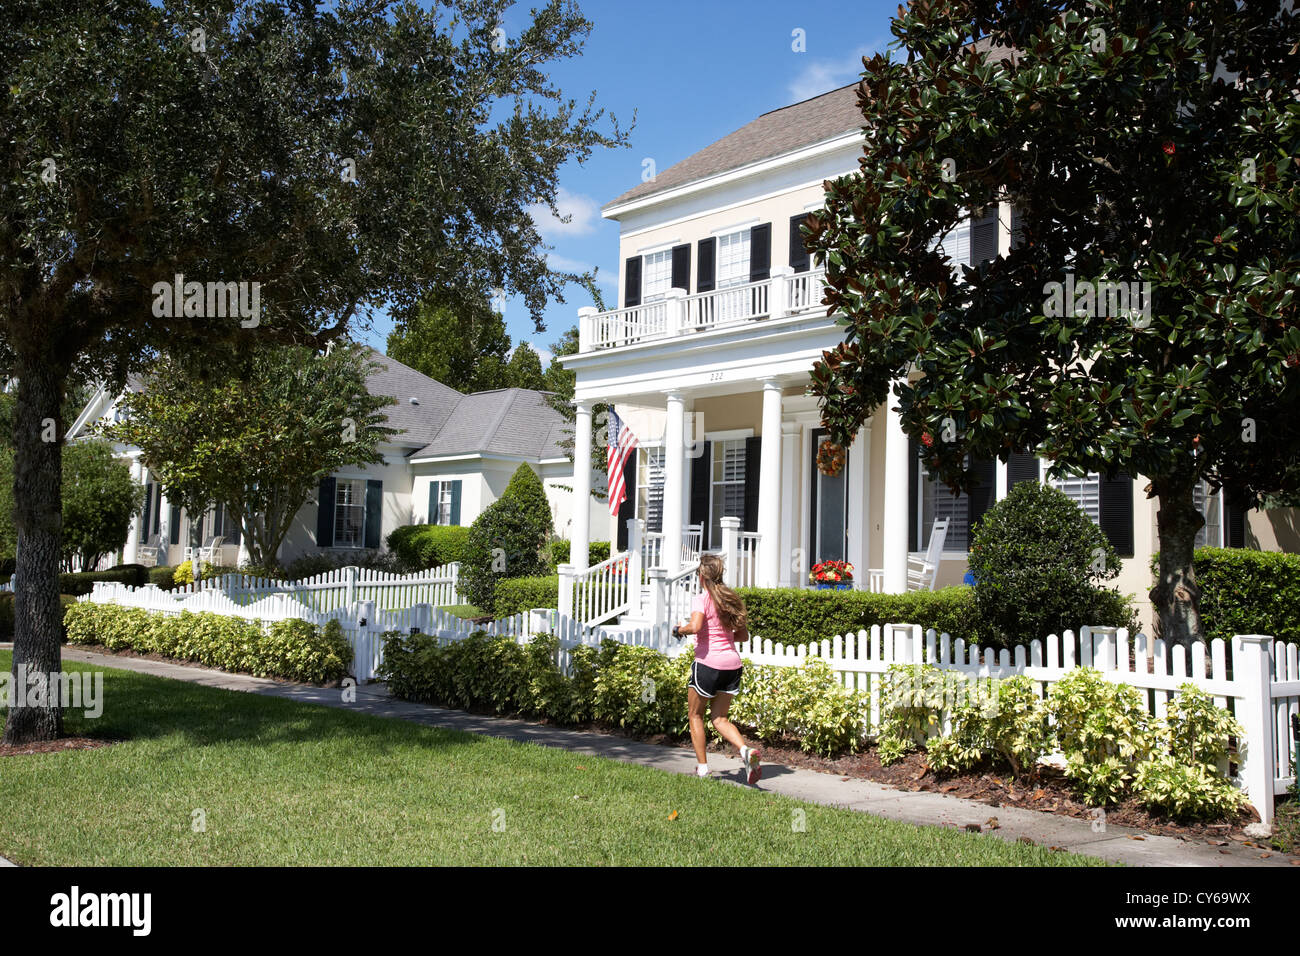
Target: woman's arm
<point x="693" y="626"/>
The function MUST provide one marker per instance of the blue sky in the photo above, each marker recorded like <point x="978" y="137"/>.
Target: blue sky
<point x="694" y="71"/>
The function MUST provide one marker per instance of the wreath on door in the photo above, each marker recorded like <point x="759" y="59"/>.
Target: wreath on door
<point x="830" y="458"/>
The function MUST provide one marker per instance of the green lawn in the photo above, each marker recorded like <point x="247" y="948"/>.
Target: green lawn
<point x="284" y="783"/>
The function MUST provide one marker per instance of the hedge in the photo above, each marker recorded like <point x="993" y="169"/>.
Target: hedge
<point x="7" y="613"/>
<point x="597" y="551"/>
<point x="163" y="577"/>
<point x="83" y="582"/>
<point x="294" y="650"/>
<point x="1244" y="591"/>
<point x="799" y="616"/>
<point x="518" y="595"/>
<point x="421" y="546"/>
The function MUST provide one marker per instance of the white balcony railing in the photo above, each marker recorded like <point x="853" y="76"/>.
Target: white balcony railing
<point x="679" y="314"/>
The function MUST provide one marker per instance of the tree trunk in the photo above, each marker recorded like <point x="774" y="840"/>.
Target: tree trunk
<point x="1176" y="596"/>
<point x="38" y="520"/>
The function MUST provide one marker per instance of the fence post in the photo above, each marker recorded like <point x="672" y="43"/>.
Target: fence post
<point x="1253" y="667"/>
<point x="658" y="595"/>
<point x="779" y="293"/>
<point x="350" y="592"/>
<point x="567" y="572"/>
<point x="675" y="303"/>
<point x="634" y="567"/>
<point x="731" y="551"/>
<point x="422" y="617"/>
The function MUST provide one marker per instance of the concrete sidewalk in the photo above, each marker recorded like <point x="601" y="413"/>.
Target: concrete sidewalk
<point x="1115" y="844"/>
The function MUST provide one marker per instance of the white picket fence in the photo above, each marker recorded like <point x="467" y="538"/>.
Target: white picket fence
<point x="343" y="587"/>
<point x="1256" y="678"/>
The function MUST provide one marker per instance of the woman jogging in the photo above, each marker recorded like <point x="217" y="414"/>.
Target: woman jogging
<point x="718" y="618"/>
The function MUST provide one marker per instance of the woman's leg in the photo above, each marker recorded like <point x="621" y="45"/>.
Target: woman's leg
<point x="722" y="724"/>
<point x="695" y="710"/>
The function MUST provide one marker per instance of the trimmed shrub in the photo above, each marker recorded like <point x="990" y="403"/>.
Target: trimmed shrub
<point x="800" y="616"/>
<point x="417" y="547"/>
<point x="597" y="551"/>
<point x="1039" y="562"/>
<point x="83" y="582"/>
<point x="163" y="577"/>
<point x="310" y="565"/>
<point x="1248" y="592"/>
<point x="505" y="541"/>
<point x="141" y="573"/>
<point x="293" y="650"/>
<point x="527" y="489"/>
<point x="520" y="595"/>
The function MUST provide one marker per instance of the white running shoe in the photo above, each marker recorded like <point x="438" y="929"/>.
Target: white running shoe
<point x="751" y="761"/>
<point x="701" y="770"/>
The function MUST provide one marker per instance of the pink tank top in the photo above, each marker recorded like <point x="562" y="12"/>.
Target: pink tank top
<point x="714" y="645"/>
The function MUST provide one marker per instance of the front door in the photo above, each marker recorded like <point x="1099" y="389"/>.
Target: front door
<point x="829" y="509"/>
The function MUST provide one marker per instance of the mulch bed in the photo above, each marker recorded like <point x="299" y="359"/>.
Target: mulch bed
<point x="52" y="746"/>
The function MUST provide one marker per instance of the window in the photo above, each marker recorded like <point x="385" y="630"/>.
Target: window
<point x="937" y="501"/>
<point x="733" y="259"/>
<point x="349" y="513"/>
<point x="657" y="275"/>
<point x="727" y="489"/>
<point x="1210" y="504"/>
<point x="650" y="487"/>
<point x="1084" y="492"/>
<point x="443" y="514"/>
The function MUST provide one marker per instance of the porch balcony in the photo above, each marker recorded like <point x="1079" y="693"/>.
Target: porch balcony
<point x="679" y="314"/>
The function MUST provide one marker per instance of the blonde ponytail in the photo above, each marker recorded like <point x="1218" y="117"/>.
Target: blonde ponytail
<point x="731" y="609"/>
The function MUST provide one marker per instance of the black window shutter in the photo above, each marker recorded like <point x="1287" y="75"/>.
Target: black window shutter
<point x="1017" y="229"/>
<point x="632" y="283"/>
<point x="148" y="513"/>
<point x="799" y="258"/>
<point x="1234" y="535"/>
<point x="233" y="530"/>
<point x="627" y="510"/>
<point x="174" y="524"/>
<point x="157" y="509"/>
<point x="760" y="252"/>
<point x="325" y="514"/>
<point x="682" y="267"/>
<point x="701" y="472"/>
<point x="913" y="494"/>
<point x="982" y="494"/>
<point x="455" y="504"/>
<point x="1116" y="503"/>
<point x="374" y="512"/>
<point x="984" y="237"/>
<point x="1021" y="467"/>
<point x="705" y="274"/>
<point x="753" y="466"/>
<point x="435" y="493"/>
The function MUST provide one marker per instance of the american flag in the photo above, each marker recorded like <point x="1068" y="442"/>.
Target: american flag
<point x="622" y="443"/>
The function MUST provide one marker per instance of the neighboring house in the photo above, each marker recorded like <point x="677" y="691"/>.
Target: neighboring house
<point x="719" y="325"/>
<point x="453" y="456"/>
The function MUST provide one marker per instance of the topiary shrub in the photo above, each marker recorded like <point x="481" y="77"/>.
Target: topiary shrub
<point x="505" y="541"/>
<point x="527" y="489"/>
<point x="418" y="547"/>
<point x="1039" y="562"/>
<point x="597" y="551"/>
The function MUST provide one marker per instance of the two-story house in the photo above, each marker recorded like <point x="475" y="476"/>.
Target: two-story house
<point x="707" y="360"/>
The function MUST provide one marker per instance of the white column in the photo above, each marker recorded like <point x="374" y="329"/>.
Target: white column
<point x="855" y="514"/>
<point x="730" y="551"/>
<point x="579" y="544"/>
<point x="634" y="566"/>
<point x="999" y="480"/>
<point x="674" y="486"/>
<point x="132" y="549"/>
<point x="164" y="527"/>
<point x="693" y="442"/>
<point x="793" y="573"/>
<point x="894" y="534"/>
<point x="769" y="489"/>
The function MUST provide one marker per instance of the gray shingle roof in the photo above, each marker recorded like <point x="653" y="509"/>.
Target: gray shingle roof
<point x="417" y="423"/>
<point x="775" y="133"/>
<point x="508" y="421"/>
<point x="772" y="134"/>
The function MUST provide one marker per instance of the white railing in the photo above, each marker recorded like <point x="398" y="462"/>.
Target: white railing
<point x="342" y="587"/>
<point x="785" y="293"/>
<point x="652" y="543"/>
<point x="598" y="593"/>
<point x="746" y="559"/>
<point x="706" y="310"/>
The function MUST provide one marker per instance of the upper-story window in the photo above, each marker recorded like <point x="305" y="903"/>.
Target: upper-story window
<point x="733" y="258"/>
<point x="657" y="274"/>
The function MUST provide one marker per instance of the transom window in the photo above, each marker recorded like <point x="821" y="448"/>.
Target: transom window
<point x="732" y="259"/>
<point x="349" y="513"/>
<point x="656" y="275"/>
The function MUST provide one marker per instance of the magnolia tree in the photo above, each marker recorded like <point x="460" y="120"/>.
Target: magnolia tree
<point x="198" y="180"/>
<point x="260" y="441"/>
<point x="1144" y="319"/>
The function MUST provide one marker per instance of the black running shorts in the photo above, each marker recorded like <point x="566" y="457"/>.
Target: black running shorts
<point x="709" y="682"/>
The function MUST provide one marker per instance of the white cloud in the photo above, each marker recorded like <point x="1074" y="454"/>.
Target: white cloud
<point x="606" y="277"/>
<point x="583" y="210"/>
<point x="822" y="76"/>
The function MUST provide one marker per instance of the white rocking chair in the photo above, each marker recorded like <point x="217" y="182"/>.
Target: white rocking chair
<point x="210" y="551"/>
<point x="147" y="554"/>
<point x="921" y="572"/>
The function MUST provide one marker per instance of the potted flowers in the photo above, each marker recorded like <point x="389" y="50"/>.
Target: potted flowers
<point x="832" y="576"/>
